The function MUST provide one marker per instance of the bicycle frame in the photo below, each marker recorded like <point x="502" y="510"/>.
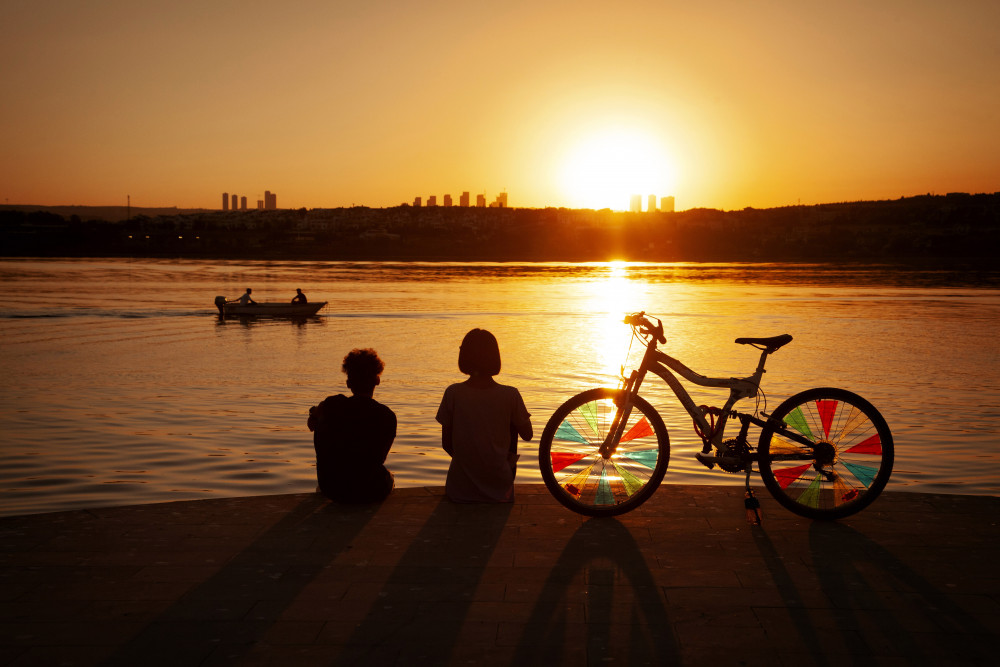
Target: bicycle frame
<point x="660" y="364"/>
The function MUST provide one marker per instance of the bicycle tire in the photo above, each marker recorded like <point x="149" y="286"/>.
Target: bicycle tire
<point x="849" y="465"/>
<point x="578" y="476"/>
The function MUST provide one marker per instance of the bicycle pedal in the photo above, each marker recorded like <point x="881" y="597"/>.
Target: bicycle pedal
<point x="705" y="460"/>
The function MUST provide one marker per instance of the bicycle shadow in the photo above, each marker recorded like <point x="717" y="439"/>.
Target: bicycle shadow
<point x="222" y="618"/>
<point x="424" y="604"/>
<point x="934" y="628"/>
<point x="603" y="559"/>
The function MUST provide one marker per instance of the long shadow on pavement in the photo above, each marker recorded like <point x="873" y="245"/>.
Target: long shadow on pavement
<point x="885" y="608"/>
<point x="214" y="619"/>
<point x="424" y="604"/>
<point x="625" y="619"/>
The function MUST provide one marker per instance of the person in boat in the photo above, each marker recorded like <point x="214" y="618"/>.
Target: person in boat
<point x="352" y="435"/>
<point x="299" y="297"/>
<point x="245" y="300"/>
<point x="480" y="423"/>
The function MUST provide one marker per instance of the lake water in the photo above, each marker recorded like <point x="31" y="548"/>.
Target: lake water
<point x="120" y="385"/>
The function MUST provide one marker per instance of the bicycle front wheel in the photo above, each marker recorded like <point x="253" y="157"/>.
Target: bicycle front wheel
<point x="581" y="478"/>
<point x="845" y="467"/>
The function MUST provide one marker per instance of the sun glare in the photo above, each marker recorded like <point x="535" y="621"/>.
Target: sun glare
<point x="606" y="169"/>
<point x="610" y="298"/>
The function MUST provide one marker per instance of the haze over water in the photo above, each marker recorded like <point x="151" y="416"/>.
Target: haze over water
<point x="122" y="386"/>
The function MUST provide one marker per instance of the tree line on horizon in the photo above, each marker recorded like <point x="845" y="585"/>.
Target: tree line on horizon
<point x="953" y="227"/>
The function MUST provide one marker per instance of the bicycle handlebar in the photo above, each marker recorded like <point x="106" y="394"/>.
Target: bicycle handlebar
<point x="645" y="327"/>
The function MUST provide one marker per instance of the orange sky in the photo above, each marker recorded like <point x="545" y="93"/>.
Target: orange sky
<point x="723" y="104"/>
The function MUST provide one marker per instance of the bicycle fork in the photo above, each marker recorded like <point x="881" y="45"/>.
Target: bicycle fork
<point x="623" y="411"/>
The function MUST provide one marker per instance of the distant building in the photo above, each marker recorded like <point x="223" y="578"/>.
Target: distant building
<point x="502" y="200"/>
<point x="464" y="199"/>
<point x="667" y="204"/>
<point x="225" y="201"/>
<point x="417" y="202"/>
<point x="652" y="204"/>
<point x="270" y="200"/>
<point x="480" y="201"/>
<point x="260" y="204"/>
<point x="432" y="200"/>
<point x="234" y="202"/>
<point x="635" y="205"/>
<point x="243" y="203"/>
<point x="447" y="200"/>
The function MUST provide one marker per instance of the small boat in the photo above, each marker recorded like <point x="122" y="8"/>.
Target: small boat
<point x="266" y="309"/>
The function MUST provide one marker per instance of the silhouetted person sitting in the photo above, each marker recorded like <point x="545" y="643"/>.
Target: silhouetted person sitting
<point x="480" y="423"/>
<point x="246" y="300"/>
<point x="299" y="297"/>
<point x="352" y="435"/>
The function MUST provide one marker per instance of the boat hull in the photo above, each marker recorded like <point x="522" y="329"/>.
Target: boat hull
<point x="263" y="309"/>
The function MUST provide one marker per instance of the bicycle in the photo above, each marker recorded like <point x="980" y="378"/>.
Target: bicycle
<point x="824" y="453"/>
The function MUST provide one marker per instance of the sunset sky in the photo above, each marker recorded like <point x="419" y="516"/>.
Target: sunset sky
<point x="723" y="104"/>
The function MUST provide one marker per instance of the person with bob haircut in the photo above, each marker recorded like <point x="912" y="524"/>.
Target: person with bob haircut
<point x="480" y="423"/>
<point x="353" y="435"/>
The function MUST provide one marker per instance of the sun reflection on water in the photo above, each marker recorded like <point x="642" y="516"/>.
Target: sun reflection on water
<point x="610" y="298"/>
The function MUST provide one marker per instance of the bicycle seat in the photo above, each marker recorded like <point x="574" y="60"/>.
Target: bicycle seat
<point x="772" y="344"/>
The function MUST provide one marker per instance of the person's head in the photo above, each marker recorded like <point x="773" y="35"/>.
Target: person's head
<point x="298" y="290"/>
<point x="479" y="353"/>
<point x="249" y="290"/>
<point x="363" y="368"/>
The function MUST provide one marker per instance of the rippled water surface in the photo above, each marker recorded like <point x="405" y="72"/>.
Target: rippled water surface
<point x="121" y="385"/>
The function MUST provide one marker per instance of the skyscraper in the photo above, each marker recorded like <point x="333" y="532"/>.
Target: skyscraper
<point x="480" y="201"/>
<point x="417" y="202"/>
<point x="652" y="204"/>
<point x="432" y="200"/>
<point x="234" y="202"/>
<point x="464" y="199"/>
<point x="225" y="201"/>
<point x="243" y="203"/>
<point x="635" y="205"/>
<point x="447" y="200"/>
<point x="270" y="200"/>
<point x="667" y="204"/>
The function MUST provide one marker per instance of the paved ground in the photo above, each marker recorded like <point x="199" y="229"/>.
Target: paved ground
<point x="293" y="580"/>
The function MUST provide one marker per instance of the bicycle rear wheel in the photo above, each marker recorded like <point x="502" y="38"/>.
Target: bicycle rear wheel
<point x="845" y="468"/>
<point x="578" y="475"/>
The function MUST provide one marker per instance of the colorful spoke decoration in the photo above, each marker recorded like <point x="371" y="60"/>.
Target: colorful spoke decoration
<point x="567" y="431"/>
<point x="827" y="409"/>
<point x="575" y="485"/>
<point x="810" y="497"/>
<point x="864" y="474"/>
<point x="797" y="420"/>
<point x="855" y="421"/>
<point x="561" y="460"/>
<point x="786" y="476"/>
<point x="604" y="495"/>
<point x="646" y="457"/>
<point x="639" y="430"/>
<point x="872" y="445"/>
<point x="589" y="412"/>
<point x="631" y="483"/>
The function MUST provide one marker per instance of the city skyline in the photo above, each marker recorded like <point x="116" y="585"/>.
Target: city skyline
<point x="725" y="105"/>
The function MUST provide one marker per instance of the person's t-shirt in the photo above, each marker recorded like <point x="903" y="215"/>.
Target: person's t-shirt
<point x="484" y="424"/>
<point x="353" y="435"/>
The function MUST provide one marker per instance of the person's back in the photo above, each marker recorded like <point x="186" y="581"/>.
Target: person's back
<point x="480" y="423"/>
<point x="353" y="435"/>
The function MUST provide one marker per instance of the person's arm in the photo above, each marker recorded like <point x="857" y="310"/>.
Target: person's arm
<point x="522" y="420"/>
<point x="446" y="439"/>
<point x="444" y="418"/>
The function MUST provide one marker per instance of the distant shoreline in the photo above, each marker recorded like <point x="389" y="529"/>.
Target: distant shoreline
<point x="931" y="230"/>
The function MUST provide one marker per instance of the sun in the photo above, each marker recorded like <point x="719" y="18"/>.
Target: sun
<point x="606" y="168"/>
